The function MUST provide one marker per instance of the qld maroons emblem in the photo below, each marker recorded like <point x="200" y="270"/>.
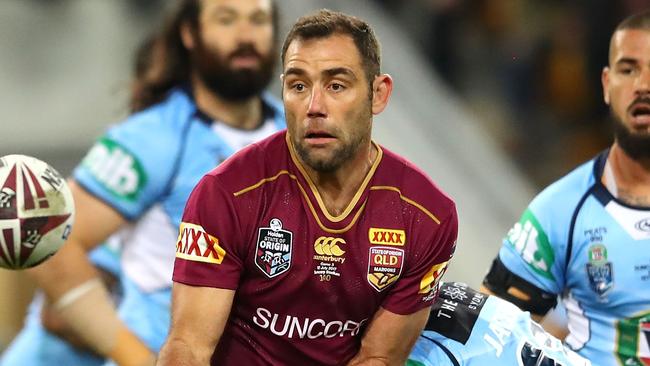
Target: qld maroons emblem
<point x="384" y="266"/>
<point x="273" y="251"/>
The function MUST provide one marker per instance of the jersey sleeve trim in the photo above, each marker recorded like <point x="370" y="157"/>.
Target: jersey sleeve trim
<point x="90" y="191"/>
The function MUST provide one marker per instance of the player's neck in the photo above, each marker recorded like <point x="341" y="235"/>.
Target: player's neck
<point x="245" y="114"/>
<point x="337" y="189"/>
<point x="630" y="179"/>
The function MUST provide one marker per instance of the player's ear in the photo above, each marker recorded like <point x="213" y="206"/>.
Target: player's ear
<point x="604" y="79"/>
<point x="187" y="35"/>
<point x="382" y="87"/>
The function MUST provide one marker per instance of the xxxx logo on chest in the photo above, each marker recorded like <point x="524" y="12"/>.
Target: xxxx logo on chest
<point x="273" y="250"/>
<point x="386" y="236"/>
<point x="384" y="266"/>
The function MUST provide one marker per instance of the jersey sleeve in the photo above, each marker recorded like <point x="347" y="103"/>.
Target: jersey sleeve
<point x="535" y="248"/>
<point x="130" y="166"/>
<point x="418" y="285"/>
<point x="208" y="250"/>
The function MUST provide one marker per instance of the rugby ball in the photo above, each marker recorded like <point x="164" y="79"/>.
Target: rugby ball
<point x="36" y="211"/>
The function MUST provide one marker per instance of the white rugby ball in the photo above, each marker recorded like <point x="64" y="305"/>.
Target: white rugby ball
<point x="36" y="211"/>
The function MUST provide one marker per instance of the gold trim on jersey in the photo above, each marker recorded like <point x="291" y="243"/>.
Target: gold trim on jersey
<point x="317" y="195"/>
<point x="304" y="193"/>
<point x="408" y="200"/>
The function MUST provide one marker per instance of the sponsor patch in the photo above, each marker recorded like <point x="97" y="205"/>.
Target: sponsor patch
<point x="195" y="244"/>
<point x="273" y="250"/>
<point x="431" y="280"/>
<point x="529" y="239"/>
<point x="387" y="236"/>
<point x="116" y="168"/>
<point x="457" y="304"/>
<point x="384" y="266"/>
<point x="599" y="270"/>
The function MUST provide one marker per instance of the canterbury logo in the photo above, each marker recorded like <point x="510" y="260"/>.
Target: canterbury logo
<point x="386" y="236"/>
<point x="329" y="246"/>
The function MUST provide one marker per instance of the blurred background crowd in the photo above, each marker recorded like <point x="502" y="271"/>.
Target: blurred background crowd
<point x="529" y="68"/>
<point x="494" y="98"/>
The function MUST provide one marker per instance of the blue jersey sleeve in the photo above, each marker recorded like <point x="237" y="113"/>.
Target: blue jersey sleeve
<point x="535" y="248"/>
<point x="130" y="166"/>
<point x="467" y="328"/>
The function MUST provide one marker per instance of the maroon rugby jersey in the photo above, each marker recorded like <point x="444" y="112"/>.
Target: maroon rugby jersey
<point x="307" y="282"/>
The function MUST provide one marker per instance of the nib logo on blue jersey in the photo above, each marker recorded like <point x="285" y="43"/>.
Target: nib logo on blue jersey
<point x="273" y="251"/>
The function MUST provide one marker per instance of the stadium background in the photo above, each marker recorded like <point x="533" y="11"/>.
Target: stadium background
<point x="493" y="98"/>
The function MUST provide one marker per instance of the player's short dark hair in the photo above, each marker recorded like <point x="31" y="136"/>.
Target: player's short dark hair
<point x="162" y="62"/>
<point x="637" y="21"/>
<point x="325" y="23"/>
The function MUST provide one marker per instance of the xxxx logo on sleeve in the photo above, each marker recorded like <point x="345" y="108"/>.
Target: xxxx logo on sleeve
<point x="384" y="266"/>
<point x="195" y="244"/>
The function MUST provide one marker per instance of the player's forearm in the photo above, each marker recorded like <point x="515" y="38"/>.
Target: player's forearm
<point x="80" y="299"/>
<point x="67" y="269"/>
<point x="177" y="352"/>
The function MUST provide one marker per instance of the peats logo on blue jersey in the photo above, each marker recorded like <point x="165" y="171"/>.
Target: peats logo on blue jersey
<point x="273" y="251"/>
<point x="599" y="270"/>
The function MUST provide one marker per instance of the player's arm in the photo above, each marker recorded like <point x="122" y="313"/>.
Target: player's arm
<point x="73" y="287"/>
<point x="199" y="316"/>
<point x="389" y="338"/>
<point x="501" y="282"/>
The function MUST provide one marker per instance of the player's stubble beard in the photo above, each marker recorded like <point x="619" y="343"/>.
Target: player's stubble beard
<point x="213" y="68"/>
<point x="346" y="149"/>
<point x="635" y="144"/>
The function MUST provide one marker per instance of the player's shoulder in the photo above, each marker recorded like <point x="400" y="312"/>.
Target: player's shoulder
<point x="571" y="188"/>
<point x="414" y="186"/>
<point x="162" y="120"/>
<point x="157" y="129"/>
<point x="255" y="163"/>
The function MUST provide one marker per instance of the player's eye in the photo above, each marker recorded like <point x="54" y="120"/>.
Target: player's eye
<point x="299" y="87"/>
<point x="336" y="87"/>
<point x="261" y="18"/>
<point x="225" y="18"/>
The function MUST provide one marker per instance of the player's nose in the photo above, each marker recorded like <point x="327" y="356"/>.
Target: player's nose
<point x="316" y="104"/>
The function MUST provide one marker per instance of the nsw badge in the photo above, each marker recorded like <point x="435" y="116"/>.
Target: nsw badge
<point x="599" y="270"/>
<point x="273" y="250"/>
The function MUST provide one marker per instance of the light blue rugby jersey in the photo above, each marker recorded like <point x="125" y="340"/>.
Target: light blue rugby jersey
<point x="578" y="241"/>
<point x="467" y="328"/>
<point x="145" y="167"/>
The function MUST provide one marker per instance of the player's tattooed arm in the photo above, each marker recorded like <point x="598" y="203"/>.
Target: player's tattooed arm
<point x="389" y="338"/>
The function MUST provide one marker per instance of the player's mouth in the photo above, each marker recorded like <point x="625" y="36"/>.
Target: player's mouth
<point x="245" y="61"/>
<point x="640" y="113"/>
<point x="316" y="138"/>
